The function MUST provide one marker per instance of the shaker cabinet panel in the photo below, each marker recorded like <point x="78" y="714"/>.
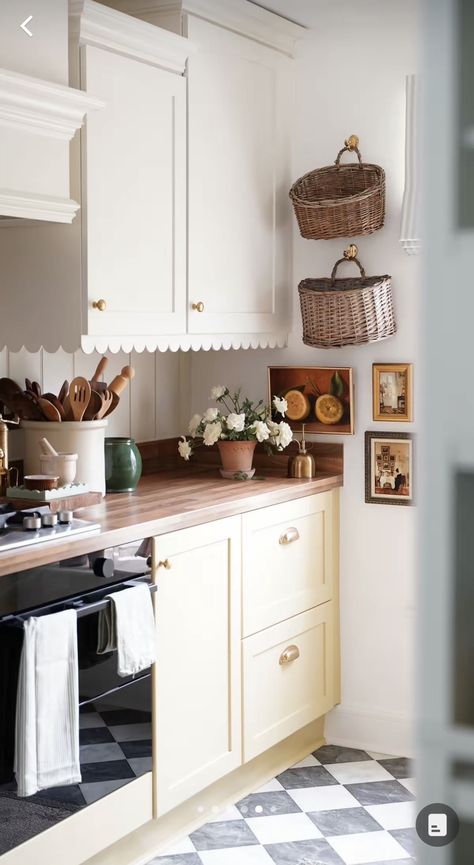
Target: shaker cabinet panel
<point x="197" y="684"/>
<point x="134" y="197"/>
<point x="239" y="162"/>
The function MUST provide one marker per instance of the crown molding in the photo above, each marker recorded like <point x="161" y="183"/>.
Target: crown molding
<point x="19" y="206"/>
<point x="240" y="16"/>
<point x="41" y="107"/>
<point x="98" y="25"/>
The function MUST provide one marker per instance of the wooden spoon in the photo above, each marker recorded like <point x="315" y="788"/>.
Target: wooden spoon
<point x="52" y="398"/>
<point x="63" y="392"/>
<point x="79" y="396"/>
<point x="121" y="381"/>
<point x="96" y="384"/>
<point x="49" y="410"/>
<point x="95" y="405"/>
<point x="107" y="404"/>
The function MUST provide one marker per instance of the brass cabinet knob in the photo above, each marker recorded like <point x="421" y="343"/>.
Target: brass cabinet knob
<point x="289" y="536"/>
<point x="199" y="307"/>
<point x="291" y="653"/>
<point x="101" y="305"/>
<point x="165" y="564"/>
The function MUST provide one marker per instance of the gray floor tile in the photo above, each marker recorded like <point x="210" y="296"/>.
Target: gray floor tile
<point x="267" y="804"/>
<point x="181" y="859"/>
<point x="345" y="821"/>
<point x="337" y="754"/>
<point x="406" y="838"/>
<point x="395" y="862"/>
<point x="110" y="770"/>
<point x="313" y="852"/>
<point x="95" y="736"/>
<point x="217" y="836"/>
<point x="131" y="732"/>
<point x="140" y="765"/>
<point x="379" y="792"/>
<point x="399" y="767"/>
<point x="307" y="776"/>
<point x="94" y="791"/>
<point x="101" y="753"/>
<point x="90" y="719"/>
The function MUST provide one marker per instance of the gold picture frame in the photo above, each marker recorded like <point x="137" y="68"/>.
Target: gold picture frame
<point x="389" y="468"/>
<point x="392" y="392"/>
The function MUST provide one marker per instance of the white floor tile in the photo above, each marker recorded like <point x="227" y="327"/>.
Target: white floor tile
<point x="282" y="828"/>
<point x="308" y="761"/>
<point x="131" y="732"/>
<point x="185" y="845"/>
<point x="376" y="756"/>
<point x="394" y="815"/>
<point x="358" y="772"/>
<point x="90" y="719"/>
<point x="323" y="798"/>
<point x="367" y="847"/>
<point x="230" y="813"/>
<point x="270" y="786"/>
<point x="236" y="856"/>
<point x="409" y="783"/>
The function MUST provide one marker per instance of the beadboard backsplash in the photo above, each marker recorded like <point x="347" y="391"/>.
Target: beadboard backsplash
<point x="149" y="408"/>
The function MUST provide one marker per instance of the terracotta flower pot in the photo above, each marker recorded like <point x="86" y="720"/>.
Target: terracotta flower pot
<point x="236" y="457"/>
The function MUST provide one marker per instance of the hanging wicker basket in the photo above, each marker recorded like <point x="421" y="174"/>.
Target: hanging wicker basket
<point x="340" y="200"/>
<point x="337" y="312"/>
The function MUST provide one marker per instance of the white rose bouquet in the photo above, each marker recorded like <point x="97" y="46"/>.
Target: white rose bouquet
<point x="237" y="419"/>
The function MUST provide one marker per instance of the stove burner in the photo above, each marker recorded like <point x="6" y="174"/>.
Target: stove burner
<point x="37" y="526"/>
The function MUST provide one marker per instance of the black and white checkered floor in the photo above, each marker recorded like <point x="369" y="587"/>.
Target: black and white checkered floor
<point x="339" y="806"/>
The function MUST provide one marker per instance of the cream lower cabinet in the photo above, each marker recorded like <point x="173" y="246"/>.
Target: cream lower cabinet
<point x="197" y="731"/>
<point x="248" y="640"/>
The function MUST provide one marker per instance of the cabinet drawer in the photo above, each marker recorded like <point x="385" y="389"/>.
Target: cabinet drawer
<point x="288" y="560"/>
<point x="288" y="673"/>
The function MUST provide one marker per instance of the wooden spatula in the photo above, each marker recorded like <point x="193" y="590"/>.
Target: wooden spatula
<point x="107" y="404"/>
<point x="79" y="396"/>
<point x="49" y="410"/>
<point x="95" y="405"/>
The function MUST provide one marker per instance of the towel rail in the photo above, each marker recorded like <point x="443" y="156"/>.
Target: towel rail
<point x="82" y="609"/>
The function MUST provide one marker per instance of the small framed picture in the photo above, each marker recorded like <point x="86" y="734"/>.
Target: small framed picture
<point x="392" y="388"/>
<point x="320" y="397"/>
<point x="388" y="475"/>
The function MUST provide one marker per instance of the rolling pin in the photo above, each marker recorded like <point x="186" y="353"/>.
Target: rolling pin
<point x="95" y="383"/>
<point x="121" y="381"/>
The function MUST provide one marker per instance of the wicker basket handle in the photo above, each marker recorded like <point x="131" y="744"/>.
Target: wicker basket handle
<point x="351" y="144"/>
<point x="350" y="254"/>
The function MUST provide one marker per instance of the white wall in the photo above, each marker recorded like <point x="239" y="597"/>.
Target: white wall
<point x="351" y="79"/>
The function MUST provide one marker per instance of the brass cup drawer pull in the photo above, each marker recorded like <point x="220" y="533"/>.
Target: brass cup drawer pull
<point x="289" y="536"/>
<point x="291" y="653"/>
<point x="165" y="564"/>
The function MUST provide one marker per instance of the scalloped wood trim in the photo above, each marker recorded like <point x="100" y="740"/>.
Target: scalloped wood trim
<point x="17" y="205"/>
<point x="96" y="24"/>
<point x="33" y="105"/>
<point x="207" y="342"/>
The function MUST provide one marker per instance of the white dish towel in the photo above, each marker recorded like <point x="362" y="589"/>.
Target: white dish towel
<point x="128" y="625"/>
<point x="47" y="708"/>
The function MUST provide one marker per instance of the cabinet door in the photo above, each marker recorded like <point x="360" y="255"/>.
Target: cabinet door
<point x="134" y="171"/>
<point x="239" y="176"/>
<point x="289" y="560"/>
<point x="288" y="674"/>
<point x="197" y="674"/>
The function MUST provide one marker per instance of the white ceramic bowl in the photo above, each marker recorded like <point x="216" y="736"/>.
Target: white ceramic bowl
<point x="64" y="465"/>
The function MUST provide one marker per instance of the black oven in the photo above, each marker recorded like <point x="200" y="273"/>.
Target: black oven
<point x="115" y="712"/>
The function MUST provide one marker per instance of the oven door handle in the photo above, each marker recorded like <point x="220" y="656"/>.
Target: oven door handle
<point x="87" y="609"/>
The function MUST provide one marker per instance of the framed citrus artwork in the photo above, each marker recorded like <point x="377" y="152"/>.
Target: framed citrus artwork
<point x="320" y="397"/>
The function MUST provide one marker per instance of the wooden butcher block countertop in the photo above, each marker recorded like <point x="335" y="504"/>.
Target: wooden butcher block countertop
<point x="171" y="500"/>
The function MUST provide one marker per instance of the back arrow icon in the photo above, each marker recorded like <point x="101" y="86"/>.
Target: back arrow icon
<point x="24" y="27"/>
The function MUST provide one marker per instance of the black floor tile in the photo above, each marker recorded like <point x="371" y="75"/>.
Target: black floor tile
<point x="399" y="767"/>
<point x="140" y="748"/>
<point x="306" y="776"/>
<point x="95" y="736"/>
<point x="119" y="717"/>
<point x="111" y="770"/>
<point x="337" y="754"/>
<point x="379" y="792"/>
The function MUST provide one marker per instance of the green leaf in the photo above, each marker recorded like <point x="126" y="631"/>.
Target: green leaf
<point x="337" y="385"/>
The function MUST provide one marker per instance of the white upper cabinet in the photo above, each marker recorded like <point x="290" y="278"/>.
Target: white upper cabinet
<point x="239" y="175"/>
<point x="135" y="189"/>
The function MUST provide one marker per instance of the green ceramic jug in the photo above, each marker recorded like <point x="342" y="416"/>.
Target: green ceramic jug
<point x="123" y="465"/>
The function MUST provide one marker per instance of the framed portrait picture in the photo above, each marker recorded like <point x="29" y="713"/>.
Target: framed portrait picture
<point x="392" y="389"/>
<point x="388" y="468"/>
<point x="319" y="397"/>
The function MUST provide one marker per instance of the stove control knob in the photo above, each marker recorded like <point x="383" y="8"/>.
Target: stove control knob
<point x="49" y="520"/>
<point x="32" y="523"/>
<point x="65" y="518"/>
<point x="103" y="567"/>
